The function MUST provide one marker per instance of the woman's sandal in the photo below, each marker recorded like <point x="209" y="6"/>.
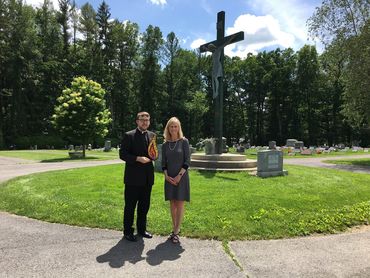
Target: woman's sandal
<point x="175" y="238"/>
<point x="172" y="234"/>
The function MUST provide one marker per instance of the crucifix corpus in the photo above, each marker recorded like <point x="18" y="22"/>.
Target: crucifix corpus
<point x="217" y="49"/>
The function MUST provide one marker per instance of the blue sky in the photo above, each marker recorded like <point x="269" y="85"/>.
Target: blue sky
<point x="267" y="24"/>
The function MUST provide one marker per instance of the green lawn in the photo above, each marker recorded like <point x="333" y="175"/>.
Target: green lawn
<point x="224" y="206"/>
<point x="57" y="155"/>
<point x="252" y="154"/>
<point x="62" y="155"/>
<point x="359" y="161"/>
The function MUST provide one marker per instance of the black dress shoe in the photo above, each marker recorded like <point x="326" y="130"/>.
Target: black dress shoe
<point x="130" y="237"/>
<point x="146" y="234"/>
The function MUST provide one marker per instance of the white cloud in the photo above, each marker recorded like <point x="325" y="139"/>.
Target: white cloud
<point x="159" y="2"/>
<point x="292" y="16"/>
<point x="38" y="3"/>
<point x="206" y="6"/>
<point x="259" y="32"/>
<point x="196" y="43"/>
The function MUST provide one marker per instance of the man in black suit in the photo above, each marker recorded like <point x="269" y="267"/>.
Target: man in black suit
<point x="139" y="176"/>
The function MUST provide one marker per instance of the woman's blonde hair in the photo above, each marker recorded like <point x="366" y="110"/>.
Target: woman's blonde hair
<point x="167" y="134"/>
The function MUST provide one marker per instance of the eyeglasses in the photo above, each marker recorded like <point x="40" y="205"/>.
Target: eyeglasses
<point x="144" y="120"/>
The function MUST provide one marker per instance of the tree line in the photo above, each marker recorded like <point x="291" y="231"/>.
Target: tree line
<point x="273" y="95"/>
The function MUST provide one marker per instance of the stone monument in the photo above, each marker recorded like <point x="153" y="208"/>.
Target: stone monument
<point x="217" y="49"/>
<point x="215" y="158"/>
<point x="270" y="163"/>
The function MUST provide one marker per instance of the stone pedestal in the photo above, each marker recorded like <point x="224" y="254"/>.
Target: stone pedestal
<point x="222" y="162"/>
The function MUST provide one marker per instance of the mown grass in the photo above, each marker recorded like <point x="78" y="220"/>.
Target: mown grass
<point x="58" y="155"/>
<point x="62" y="155"/>
<point x="357" y="162"/>
<point x="224" y="206"/>
<point x="252" y="154"/>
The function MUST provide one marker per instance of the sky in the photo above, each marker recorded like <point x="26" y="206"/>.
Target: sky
<point x="267" y="24"/>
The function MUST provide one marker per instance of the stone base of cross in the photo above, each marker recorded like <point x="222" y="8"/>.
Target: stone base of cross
<point x="217" y="49"/>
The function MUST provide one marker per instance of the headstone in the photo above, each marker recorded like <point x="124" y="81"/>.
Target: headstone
<point x="298" y="144"/>
<point x="107" y="146"/>
<point x="341" y="146"/>
<point x="71" y="148"/>
<point x="240" y="149"/>
<point x="89" y="147"/>
<point x="290" y="142"/>
<point x="270" y="163"/>
<point x="306" y="152"/>
<point x="272" y="145"/>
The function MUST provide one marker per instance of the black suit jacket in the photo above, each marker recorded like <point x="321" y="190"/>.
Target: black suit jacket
<point x="135" y="144"/>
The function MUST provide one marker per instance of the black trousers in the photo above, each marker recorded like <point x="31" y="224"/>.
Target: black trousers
<point x="136" y="196"/>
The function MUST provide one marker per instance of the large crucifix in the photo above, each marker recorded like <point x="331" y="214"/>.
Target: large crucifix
<point x="217" y="49"/>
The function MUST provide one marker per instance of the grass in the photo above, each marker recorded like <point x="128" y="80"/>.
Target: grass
<point x="57" y="155"/>
<point x="252" y="154"/>
<point x="357" y="162"/>
<point x="224" y="206"/>
<point x="62" y="155"/>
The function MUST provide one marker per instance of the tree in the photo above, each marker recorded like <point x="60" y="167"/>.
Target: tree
<point x="89" y="29"/>
<point x="307" y="82"/>
<point x="170" y="51"/>
<point x="63" y="16"/>
<point x="345" y="23"/>
<point x="357" y="80"/>
<point x="339" y="20"/>
<point x="80" y="114"/>
<point x="149" y="83"/>
<point x="125" y="45"/>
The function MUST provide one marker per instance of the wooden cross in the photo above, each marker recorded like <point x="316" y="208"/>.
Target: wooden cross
<point x="217" y="49"/>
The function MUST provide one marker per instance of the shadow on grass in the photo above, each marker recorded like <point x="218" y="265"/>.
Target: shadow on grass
<point x="212" y="174"/>
<point x="207" y="174"/>
<point x="68" y="159"/>
<point x="360" y="162"/>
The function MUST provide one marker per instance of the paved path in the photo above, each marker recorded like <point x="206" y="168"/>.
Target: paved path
<point x="14" y="167"/>
<point x="32" y="248"/>
<point x="318" y="162"/>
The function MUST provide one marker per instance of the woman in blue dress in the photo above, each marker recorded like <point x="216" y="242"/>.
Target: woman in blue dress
<point x="175" y="165"/>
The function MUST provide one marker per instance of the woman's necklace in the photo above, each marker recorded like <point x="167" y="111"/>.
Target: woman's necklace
<point x="169" y="145"/>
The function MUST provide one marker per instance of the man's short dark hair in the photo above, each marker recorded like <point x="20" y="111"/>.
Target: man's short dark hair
<point x="142" y="115"/>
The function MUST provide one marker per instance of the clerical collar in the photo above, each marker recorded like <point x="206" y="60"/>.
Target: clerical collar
<point x="142" y="131"/>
